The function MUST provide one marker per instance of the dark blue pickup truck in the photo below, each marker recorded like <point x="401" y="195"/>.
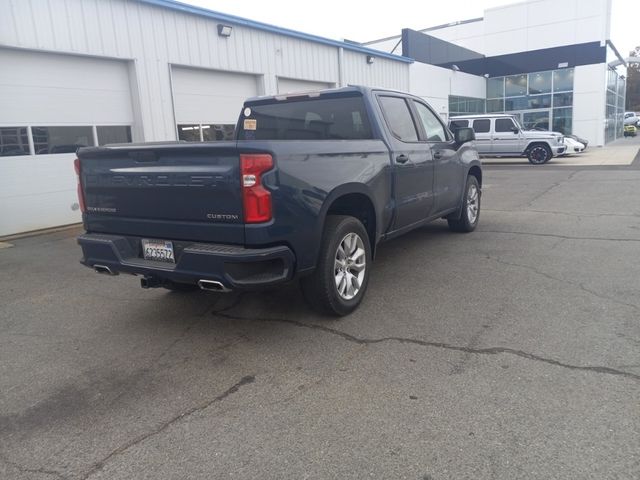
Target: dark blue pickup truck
<point x="309" y="188"/>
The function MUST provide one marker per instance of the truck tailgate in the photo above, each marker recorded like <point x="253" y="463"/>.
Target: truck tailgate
<point x="166" y="191"/>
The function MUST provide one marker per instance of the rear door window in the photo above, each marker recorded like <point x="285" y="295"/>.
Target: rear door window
<point x="399" y="119"/>
<point x="482" y="126"/>
<point x="323" y="118"/>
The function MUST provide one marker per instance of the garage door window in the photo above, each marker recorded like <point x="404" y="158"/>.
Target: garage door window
<point x="113" y="134"/>
<point x="206" y="132"/>
<point x="14" y="141"/>
<point x="48" y="140"/>
<point x="217" y="132"/>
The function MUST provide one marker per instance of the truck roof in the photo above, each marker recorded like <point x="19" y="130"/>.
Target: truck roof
<point x="314" y="93"/>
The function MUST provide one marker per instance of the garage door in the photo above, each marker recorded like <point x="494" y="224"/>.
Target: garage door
<point x="49" y="105"/>
<point x="290" y="85"/>
<point x="207" y="103"/>
<point x="43" y="88"/>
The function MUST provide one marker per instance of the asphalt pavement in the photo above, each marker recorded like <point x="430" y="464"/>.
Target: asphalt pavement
<point x="509" y="353"/>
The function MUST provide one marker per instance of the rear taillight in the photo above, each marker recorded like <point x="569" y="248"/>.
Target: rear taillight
<point x="255" y="198"/>
<point x="76" y="166"/>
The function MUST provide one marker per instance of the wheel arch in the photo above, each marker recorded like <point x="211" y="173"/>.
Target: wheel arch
<point x="476" y="171"/>
<point x="354" y="200"/>
<point x="535" y="143"/>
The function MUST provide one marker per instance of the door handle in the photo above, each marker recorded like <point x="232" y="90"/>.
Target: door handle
<point x="437" y="155"/>
<point x="402" y="158"/>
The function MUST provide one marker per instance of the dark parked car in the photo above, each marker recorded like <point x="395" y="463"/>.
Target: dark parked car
<point x="311" y="186"/>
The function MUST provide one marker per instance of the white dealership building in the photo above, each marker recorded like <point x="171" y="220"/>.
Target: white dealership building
<point x="77" y="72"/>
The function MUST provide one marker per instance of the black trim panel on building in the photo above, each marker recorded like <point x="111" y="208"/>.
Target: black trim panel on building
<point x="428" y="49"/>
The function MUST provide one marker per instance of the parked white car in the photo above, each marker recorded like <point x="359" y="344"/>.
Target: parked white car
<point x="631" y="118"/>
<point x="573" y="146"/>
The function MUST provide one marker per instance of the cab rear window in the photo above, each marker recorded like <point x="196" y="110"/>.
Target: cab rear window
<point x="322" y="118"/>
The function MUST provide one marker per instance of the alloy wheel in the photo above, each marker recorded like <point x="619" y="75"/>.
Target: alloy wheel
<point x="349" y="266"/>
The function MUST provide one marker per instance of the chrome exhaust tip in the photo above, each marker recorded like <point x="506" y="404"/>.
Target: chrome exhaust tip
<point x="212" y="286"/>
<point x="104" y="270"/>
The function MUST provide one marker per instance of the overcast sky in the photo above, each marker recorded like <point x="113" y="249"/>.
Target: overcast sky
<point x="364" y="21"/>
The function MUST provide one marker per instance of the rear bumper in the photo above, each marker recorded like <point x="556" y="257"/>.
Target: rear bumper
<point x="233" y="266"/>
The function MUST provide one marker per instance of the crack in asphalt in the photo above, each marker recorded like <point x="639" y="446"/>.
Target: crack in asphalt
<point x="41" y="470"/>
<point x="581" y="286"/>
<point x="554" y="185"/>
<point x="565" y="237"/>
<point x="246" y="380"/>
<point x="442" y="345"/>
<point x="568" y="214"/>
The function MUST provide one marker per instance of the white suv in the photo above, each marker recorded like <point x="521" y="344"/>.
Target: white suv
<point x="501" y="135"/>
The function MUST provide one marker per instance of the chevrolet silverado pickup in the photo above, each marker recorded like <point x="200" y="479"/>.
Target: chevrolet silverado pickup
<point x="308" y="189"/>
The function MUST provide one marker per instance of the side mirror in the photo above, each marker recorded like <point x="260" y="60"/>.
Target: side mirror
<point x="464" y="135"/>
<point x="515" y="129"/>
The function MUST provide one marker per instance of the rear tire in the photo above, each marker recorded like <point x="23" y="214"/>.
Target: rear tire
<point x="539" y="154"/>
<point x="339" y="282"/>
<point x="468" y="219"/>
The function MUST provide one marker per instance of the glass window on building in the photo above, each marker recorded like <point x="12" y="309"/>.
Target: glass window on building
<point x="539" y="101"/>
<point x="14" y="141"/>
<point x="611" y="80"/>
<point x="536" y="120"/>
<point x="539" y="82"/>
<point x="113" y="134"/>
<point x="517" y="103"/>
<point x="563" y="99"/>
<point x="563" y="80"/>
<point x="534" y="96"/>
<point x="189" y="133"/>
<point x="48" y="140"/>
<point x="495" y="105"/>
<point x="515" y="86"/>
<point x="621" y="86"/>
<point x="495" y="87"/>
<point x="218" y="132"/>
<point x="562" y="120"/>
<point x="461" y="105"/>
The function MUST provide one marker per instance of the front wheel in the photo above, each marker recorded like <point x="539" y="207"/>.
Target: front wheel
<point x="340" y="279"/>
<point x="539" y="154"/>
<point x="468" y="219"/>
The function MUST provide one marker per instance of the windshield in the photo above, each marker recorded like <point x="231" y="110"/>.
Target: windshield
<point x="517" y="122"/>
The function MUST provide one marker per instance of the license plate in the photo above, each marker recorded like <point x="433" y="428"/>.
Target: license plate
<point x="158" y="250"/>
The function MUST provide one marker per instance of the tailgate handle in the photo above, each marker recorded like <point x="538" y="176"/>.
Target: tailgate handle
<point x="145" y="156"/>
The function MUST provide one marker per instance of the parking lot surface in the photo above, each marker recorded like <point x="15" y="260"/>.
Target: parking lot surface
<point x="512" y="352"/>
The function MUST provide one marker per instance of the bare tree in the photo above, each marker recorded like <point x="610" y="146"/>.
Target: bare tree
<point x="633" y="82"/>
